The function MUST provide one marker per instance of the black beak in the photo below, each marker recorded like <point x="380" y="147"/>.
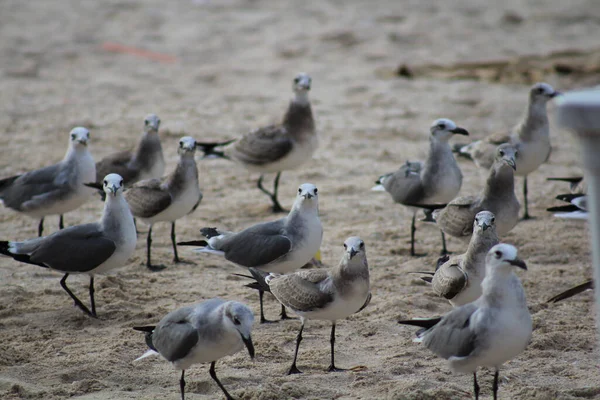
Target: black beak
<point x="484" y="226"/>
<point x="556" y="93"/>
<point x="249" y="345"/>
<point x="353" y="253"/>
<point x="518" y="263"/>
<point x="308" y="196"/>
<point x="460" y="131"/>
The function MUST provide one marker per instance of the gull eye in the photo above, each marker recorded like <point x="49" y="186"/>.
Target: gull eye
<point x="362" y="245"/>
<point x="493" y="220"/>
<point x="442" y="126"/>
<point x="146" y="122"/>
<point x="540" y="90"/>
<point x="498" y="253"/>
<point x="516" y="153"/>
<point x="73" y="136"/>
<point x="158" y="121"/>
<point x="297" y="79"/>
<point x="180" y="144"/>
<point x="345" y="246"/>
<point x="501" y="152"/>
<point x="236" y="321"/>
<point x="299" y="190"/>
<point x="316" y="190"/>
<point x="121" y="182"/>
<point x="105" y="182"/>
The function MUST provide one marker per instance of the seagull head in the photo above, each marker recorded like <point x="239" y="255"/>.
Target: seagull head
<point x="302" y="82"/>
<point x="542" y="92"/>
<point x="240" y="317"/>
<point x="444" y="128"/>
<point x="354" y="247"/>
<point x="507" y="154"/>
<point x="503" y="257"/>
<point x="79" y="137"/>
<point x="151" y="123"/>
<point x="187" y="145"/>
<point x="484" y="220"/>
<point x="112" y="184"/>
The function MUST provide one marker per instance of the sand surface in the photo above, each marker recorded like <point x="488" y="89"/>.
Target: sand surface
<point x="233" y="62"/>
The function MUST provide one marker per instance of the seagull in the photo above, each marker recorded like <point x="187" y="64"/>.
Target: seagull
<point x="459" y="278"/>
<point x="576" y="209"/>
<point x="489" y="331"/>
<point x="437" y="180"/>
<point x="201" y="333"/>
<point x="589" y="285"/>
<point x="280" y="246"/>
<point x="168" y="198"/>
<point x="90" y="249"/>
<point x="275" y="148"/>
<point x="145" y="162"/>
<point x="498" y="197"/>
<point x="531" y="138"/>
<point x="56" y="189"/>
<point x="323" y="294"/>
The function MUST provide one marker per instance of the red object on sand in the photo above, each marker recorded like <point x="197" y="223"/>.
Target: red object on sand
<point x="119" y="48"/>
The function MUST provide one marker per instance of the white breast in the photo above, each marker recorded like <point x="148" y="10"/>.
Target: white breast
<point x="301" y="153"/>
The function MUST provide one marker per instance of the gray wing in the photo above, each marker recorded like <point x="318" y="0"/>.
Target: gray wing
<point x="263" y="146"/>
<point x="457" y="217"/>
<point x="79" y="248"/>
<point x="302" y="291"/>
<point x="175" y="335"/>
<point x="405" y="184"/>
<point x="449" y="280"/>
<point x="482" y="151"/>
<point x="36" y="188"/>
<point x="117" y="163"/>
<point x="257" y="245"/>
<point x="454" y="335"/>
<point x="148" y="198"/>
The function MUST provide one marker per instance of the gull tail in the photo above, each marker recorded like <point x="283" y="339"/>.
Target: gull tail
<point x="428" y="275"/>
<point x="8" y="249"/>
<point x="98" y="186"/>
<point x="6" y="182"/>
<point x="424" y="323"/>
<point x="210" y="149"/>
<point x="260" y="280"/>
<point x="201" y="243"/>
<point x="566" y="208"/>
<point x="572" y="292"/>
<point x="462" y="150"/>
<point x="146" y="354"/>
<point x="574" y="179"/>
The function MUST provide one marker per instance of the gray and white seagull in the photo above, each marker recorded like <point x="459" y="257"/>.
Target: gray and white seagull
<point x="169" y="198"/>
<point x="53" y="190"/>
<point x="531" y="138"/>
<point x="275" y="148"/>
<point x="90" y="249"/>
<point x="204" y="332"/>
<point x="280" y="246"/>
<point x="493" y="329"/>
<point x="145" y="162"/>
<point x="437" y="180"/>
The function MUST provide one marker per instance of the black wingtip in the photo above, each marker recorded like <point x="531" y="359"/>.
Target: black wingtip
<point x="443" y="259"/>
<point x="422" y="323"/>
<point x="427" y="279"/>
<point x="144" y="328"/>
<point x="148" y="330"/>
<point x="574" y="179"/>
<point x="4" y="248"/>
<point x="567" y="208"/>
<point x="209" y="232"/>
<point x="429" y="207"/>
<point x="572" y="292"/>
<point x="200" y="243"/>
<point x="210" y="148"/>
<point x="569" y="197"/>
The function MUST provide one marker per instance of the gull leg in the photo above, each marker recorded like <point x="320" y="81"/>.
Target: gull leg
<point x="332" y="367"/>
<point x="284" y="313"/>
<point x="263" y="320"/>
<point x="412" y="235"/>
<point x="475" y="386"/>
<point x="293" y="368"/>
<point x="61" y="222"/>
<point x="495" y="386"/>
<point x="135" y="225"/>
<point x="41" y="227"/>
<point x="182" y="385"/>
<point x="213" y="375"/>
<point x="276" y="206"/>
<point x="174" y="242"/>
<point x="78" y="303"/>
<point x="444" y="249"/>
<point x="92" y="301"/>
<point x="525" y="204"/>
<point x="153" y="268"/>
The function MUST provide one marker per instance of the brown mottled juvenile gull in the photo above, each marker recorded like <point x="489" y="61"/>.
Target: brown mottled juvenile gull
<point x="201" y="333"/>
<point x="168" y="198"/>
<point x="436" y="180"/>
<point x="531" y="138"/>
<point x="324" y="294"/>
<point x="498" y="197"/>
<point x="458" y="279"/>
<point x="280" y="246"/>
<point x="145" y="162"/>
<point x="84" y="249"/>
<point x="56" y="189"/>
<point x="275" y="148"/>
<point x="493" y="329"/>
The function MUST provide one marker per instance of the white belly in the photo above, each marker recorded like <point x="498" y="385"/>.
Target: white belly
<point x="301" y="153"/>
<point x="126" y="247"/>
<point x="509" y="341"/>
<point x="180" y="207"/>
<point x="470" y="293"/>
<point x="532" y="155"/>
<point x="341" y="307"/>
<point x="209" y="351"/>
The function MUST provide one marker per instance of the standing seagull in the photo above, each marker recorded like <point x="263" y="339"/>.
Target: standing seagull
<point x="498" y="197"/>
<point x="146" y="162"/>
<point x="489" y="331"/>
<point x="204" y="332"/>
<point x="56" y="189"/>
<point x="280" y="246"/>
<point x="84" y="249"/>
<point x="325" y="294"/>
<point x="531" y="138"/>
<point x="275" y="148"/>
<point x="459" y="278"/>
<point x="168" y="198"/>
<point x="437" y="180"/>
